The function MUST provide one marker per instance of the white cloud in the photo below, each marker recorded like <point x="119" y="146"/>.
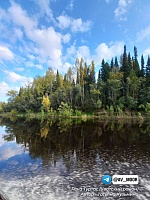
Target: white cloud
<point x="143" y="34"/>
<point x="30" y="64"/>
<point x="44" y="6"/>
<point x="84" y="52"/>
<point x="64" y="21"/>
<point x="18" y="33"/>
<point x="103" y="51"/>
<point x="146" y="52"/>
<point x="10" y="151"/>
<point x="39" y="66"/>
<point x="6" y="54"/>
<point x="21" y="18"/>
<point x="4" y="88"/>
<point x="71" y="51"/>
<point x="47" y="42"/>
<point x="76" y="25"/>
<point x="14" y="77"/>
<point x="66" y="38"/>
<point x="3" y="15"/>
<point x="66" y="66"/>
<point x="31" y="57"/>
<point x="19" y="69"/>
<point x="122" y="9"/>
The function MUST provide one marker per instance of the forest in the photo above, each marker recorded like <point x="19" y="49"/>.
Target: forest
<point x="123" y="85"/>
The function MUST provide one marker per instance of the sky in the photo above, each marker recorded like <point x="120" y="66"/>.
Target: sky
<point x="38" y="34"/>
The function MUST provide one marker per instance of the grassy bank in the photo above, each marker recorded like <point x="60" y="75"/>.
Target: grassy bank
<point x="97" y="115"/>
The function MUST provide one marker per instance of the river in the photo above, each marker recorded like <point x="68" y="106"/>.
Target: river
<point x="66" y="159"/>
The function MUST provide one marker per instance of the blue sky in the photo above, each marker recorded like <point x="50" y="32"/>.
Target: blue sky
<point x="37" y="34"/>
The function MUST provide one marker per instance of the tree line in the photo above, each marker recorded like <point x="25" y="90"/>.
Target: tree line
<point x="121" y="85"/>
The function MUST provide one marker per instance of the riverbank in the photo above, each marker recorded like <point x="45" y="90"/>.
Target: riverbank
<point x="96" y="115"/>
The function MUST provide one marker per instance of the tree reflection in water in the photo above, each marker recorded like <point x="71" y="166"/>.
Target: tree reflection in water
<point x="70" y="139"/>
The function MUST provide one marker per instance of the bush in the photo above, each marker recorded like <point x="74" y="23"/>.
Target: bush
<point x="65" y="110"/>
<point x="119" y="110"/>
<point x="52" y="112"/>
<point x="78" y="112"/>
<point x="110" y="110"/>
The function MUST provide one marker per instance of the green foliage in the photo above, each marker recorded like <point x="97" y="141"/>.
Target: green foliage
<point x="117" y="88"/>
<point x="119" y="110"/>
<point x="98" y="104"/>
<point x="147" y="108"/>
<point x="65" y="110"/>
<point x="78" y="112"/>
<point x="1" y="108"/>
<point x="110" y="110"/>
<point x="28" y="112"/>
<point x="13" y="112"/>
<point x="52" y="112"/>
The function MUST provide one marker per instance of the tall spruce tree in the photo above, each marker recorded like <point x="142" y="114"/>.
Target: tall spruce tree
<point x="116" y="62"/>
<point x="124" y="67"/>
<point x="136" y="63"/>
<point x="112" y="64"/>
<point x="148" y="72"/>
<point x="142" y="73"/>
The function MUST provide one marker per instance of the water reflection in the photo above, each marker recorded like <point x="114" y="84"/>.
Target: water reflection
<point x="71" y="153"/>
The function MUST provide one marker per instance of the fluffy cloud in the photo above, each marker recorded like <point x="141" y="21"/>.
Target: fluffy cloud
<point x="5" y="53"/>
<point x="66" y="38"/>
<point x="10" y="151"/>
<point x="103" y="51"/>
<point x="47" y="42"/>
<point x="76" y="25"/>
<point x="84" y="52"/>
<point x="15" y="81"/>
<point x="122" y="9"/>
<point x="21" y="18"/>
<point x="143" y="34"/>
<point x="14" y="77"/>
<point x="4" y="88"/>
<point x="30" y="64"/>
<point x="44" y="6"/>
<point x="71" y="50"/>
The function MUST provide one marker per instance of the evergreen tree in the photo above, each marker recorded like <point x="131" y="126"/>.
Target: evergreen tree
<point x="124" y="67"/>
<point x="105" y="70"/>
<point x="148" y="72"/>
<point x="92" y="73"/>
<point x="77" y="79"/>
<point x="136" y="63"/>
<point x="112" y="64"/>
<point x="116" y="62"/>
<point x="129" y="67"/>
<point x="142" y="66"/>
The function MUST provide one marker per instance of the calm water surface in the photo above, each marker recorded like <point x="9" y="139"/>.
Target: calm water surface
<point x="53" y="160"/>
